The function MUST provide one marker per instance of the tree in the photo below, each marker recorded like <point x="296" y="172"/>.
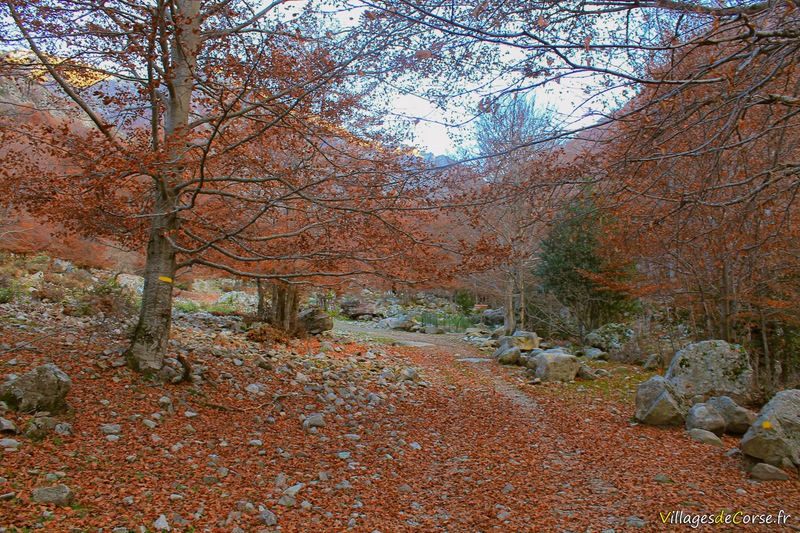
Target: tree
<point x="177" y="114"/>
<point x="576" y="268"/>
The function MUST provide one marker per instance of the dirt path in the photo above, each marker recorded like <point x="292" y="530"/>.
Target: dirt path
<point x="500" y="454"/>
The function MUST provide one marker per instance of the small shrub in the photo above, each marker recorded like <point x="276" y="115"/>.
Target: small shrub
<point x="465" y="300"/>
<point x="186" y="306"/>
<point x="107" y="297"/>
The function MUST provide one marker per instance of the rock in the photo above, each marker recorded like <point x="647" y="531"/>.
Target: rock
<point x="635" y="521"/>
<point x="767" y="472"/>
<point x="10" y="444"/>
<point x="775" y="435"/>
<point x="493" y="317"/>
<point x="60" y="495"/>
<point x="64" y="429"/>
<point x="737" y="419"/>
<point x="314" y="420"/>
<point x="656" y="404"/>
<point x="712" y="368"/>
<point x="510" y="356"/>
<point x="42" y="389"/>
<point x="656" y="362"/>
<point x="355" y="309"/>
<point x="526" y="340"/>
<point x="586" y="373"/>
<point x="433" y="330"/>
<point x="111" y="429"/>
<point x="38" y="428"/>
<point x="7" y="426"/>
<point x="706" y="437"/>
<point x="405" y="487"/>
<point x="609" y="337"/>
<point x="557" y="366"/>
<point x="161" y="524"/>
<point x="702" y="416"/>
<point x="595" y="354"/>
<point x="267" y="518"/>
<point x="315" y="321"/>
<point x="408" y="374"/>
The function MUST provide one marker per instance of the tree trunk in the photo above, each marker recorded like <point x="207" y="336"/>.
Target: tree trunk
<point x="285" y="306"/>
<point x="263" y="308"/>
<point x="509" y="323"/>
<point x="151" y="336"/>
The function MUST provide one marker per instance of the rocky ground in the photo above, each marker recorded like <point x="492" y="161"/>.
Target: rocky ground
<point x="347" y="433"/>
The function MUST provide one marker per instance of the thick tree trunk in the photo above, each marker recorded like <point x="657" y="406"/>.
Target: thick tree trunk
<point x="509" y="317"/>
<point x="285" y="306"/>
<point x="151" y="337"/>
<point x="263" y="306"/>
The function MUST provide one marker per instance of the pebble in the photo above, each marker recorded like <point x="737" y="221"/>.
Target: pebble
<point x="161" y="524"/>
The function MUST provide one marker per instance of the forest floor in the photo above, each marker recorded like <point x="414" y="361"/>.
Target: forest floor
<point x="464" y="446"/>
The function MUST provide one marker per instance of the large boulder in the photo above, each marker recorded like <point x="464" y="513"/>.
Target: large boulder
<point x="657" y="403"/>
<point x="737" y="419"/>
<point x="712" y="368"/>
<point x="510" y="356"/>
<point x="42" y="389"/>
<point x="703" y="416"/>
<point x="609" y="337"/>
<point x="526" y="340"/>
<point x="493" y="317"/>
<point x="355" y="309"/>
<point x="554" y="365"/>
<point x="775" y="436"/>
<point x="401" y="322"/>
<point x="315" y="321"/>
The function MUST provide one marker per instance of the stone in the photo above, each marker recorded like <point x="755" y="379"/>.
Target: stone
<point x="433" y="330"/>
<point x="635" y="521"/>
<point x="712" y="368"/>
<point x="656" y="404"/>
<point x="586" y="373"/>
<point x="294" y="489"/>
<point x="10" y="444"/>
<point x="60" y="495"/>
<point x="510" y="356"/>
<point x="42" y="389"/>
<point x="557" y="366"/>
<point x="355" y="309"/>
<point x="656" y="362"/>
<point x="775" y="435"/>
<point x="703" y="416"/>
<point x="39" y="427"/>
<point x="267" y="518"/>
<point x="405" y="487"/>
<point x="594" y="354"/>
<point x="161" y="524"/>
<point x="737" y="419"/>
<point x="238" y="299"/>
<point x="7" y="426"/>
<point x="609" y="337"/>
<point x="408" y="374"/>
<point x="706" y="437"/>
<point x="767" y="472"/>
<point x="111" y="429"/>
<point x="315" y="321"/>
<point x="526" y="340"/>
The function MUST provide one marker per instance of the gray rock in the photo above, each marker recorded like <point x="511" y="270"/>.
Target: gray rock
<point x="161" y="524"/>
<point x="7" y="426"/>
<point x="42" y="389"/>
<point x="767" y="472"/>
<point x="703" y="416"/>
<point x="706" y="437"/>
<point x="656" y="362"/>
<point x="609" y="337"/>
<point x="10" y="444"/>
<point x="510" y="356"/>
<point x="594" y="353"/>
<point x="775" y="435"/>
<point x="712" y="368"/>
<point x="557" y="366"/>
<point x="433" y="330"/>
<point x="39" y="427"/>
<point x="267" y="518"/>
<point x="60" y="495"/>
<point x="111" y="429"/>
<point x="635" y="521"/>
<point x="408" y="374"/>
<point x="586" y="373"/>
<point x="355" y="309"/>
<point x="656" y="404"/>
<point x="526" y="340"/>
<point x="314" y="420"/>
<point x="315" y="321"/>
<point x="737" y="419"/>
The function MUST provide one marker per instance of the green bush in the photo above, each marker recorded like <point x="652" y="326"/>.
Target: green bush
<point x="186" y="306"/>
<point x="465" y="300"/>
